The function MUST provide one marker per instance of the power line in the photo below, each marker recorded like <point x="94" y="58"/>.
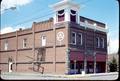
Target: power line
<point x="26" y="21"/>
<point x="43" y="9"/>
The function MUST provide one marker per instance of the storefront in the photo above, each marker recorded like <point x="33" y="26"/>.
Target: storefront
<point x="77" y="63"/>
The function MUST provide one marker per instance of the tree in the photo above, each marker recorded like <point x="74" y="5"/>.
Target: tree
<point x="113" y="65"/>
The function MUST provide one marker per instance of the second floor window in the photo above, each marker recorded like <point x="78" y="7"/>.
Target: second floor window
<point x="98" y="42"/>
<point x="102" y="42"/>
<point x="80" y="39"/>
<point x="24" y="43"/>
<point x="43" y="40"/>
<point x="73" y="40"/>
<point x="6" y="45"/>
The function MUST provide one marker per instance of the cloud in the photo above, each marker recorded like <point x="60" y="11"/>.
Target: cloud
<point x="8" y="4"/>
<point x="10" y="29"/>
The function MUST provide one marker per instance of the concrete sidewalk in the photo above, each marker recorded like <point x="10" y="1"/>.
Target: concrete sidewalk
<point x="38" y="76"/>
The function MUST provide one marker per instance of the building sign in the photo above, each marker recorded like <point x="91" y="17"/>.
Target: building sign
<point x="60" y="36"/>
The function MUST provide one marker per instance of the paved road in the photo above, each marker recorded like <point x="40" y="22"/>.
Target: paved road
<point x="37" y="76"/>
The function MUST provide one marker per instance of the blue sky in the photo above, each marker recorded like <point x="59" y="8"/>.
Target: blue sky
<point x="28" y="11"/>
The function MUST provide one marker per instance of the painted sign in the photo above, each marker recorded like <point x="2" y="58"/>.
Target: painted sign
<point x="60" y="36"/>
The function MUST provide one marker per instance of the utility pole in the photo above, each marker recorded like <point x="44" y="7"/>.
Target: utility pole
<point x="108" y="48"/>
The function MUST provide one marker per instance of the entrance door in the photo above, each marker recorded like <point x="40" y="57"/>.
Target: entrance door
<point x="80" y="66"/>
<point x="90" y="67"/>
<point x="10" y="66"/>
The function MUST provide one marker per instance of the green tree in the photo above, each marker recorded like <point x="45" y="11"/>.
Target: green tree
<point x="113" y="65"/>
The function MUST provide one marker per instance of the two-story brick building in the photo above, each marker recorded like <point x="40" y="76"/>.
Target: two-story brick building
<point x="66" y="43"/>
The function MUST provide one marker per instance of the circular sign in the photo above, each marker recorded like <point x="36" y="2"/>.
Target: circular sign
<point x="60" y="36"/>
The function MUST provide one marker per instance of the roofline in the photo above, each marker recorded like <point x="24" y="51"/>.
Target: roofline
<point x="92" y="20"/>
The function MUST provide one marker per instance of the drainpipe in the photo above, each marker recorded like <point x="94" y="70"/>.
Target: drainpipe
<point x="94" y="49"/>
<point x="16" y="51"/>
<point x="68" y="61"/>
<point x="54" y="46"/>
<point x="33" y="48"/>
<point x="85" y="63"/>
<point x="94" y="62"/>
<point x="85" y="53"/>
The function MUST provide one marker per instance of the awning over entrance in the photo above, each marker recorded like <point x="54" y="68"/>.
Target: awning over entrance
<point x="77" y="56"/>
<point x="101" y="57"/>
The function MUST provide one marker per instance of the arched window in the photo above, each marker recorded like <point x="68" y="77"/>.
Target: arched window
<point x="61" y="15"/>
<point x="73" y="16"/>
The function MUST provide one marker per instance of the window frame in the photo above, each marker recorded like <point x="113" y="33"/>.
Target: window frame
<point x="73" y="18"/>
<point x="6" y="45"/>
<point x="74" y="38"/>
<point x="81" y="40"/>
<point x="98" y="42"/>
<point x="25" y="42"/>
<point x="60" y="18"/>
<point x="44" y="39"/>
<point x="103" y="42"/>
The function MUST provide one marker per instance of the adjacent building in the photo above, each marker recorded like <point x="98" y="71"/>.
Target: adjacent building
<point x="66" y="43"/>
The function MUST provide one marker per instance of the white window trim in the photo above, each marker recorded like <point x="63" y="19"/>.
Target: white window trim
<point x="81" y="38"/>
<point x="24" y="43"/>
<point x="6" y="45"/>
<point x="103" y="43"/>
<point x="75" y="38"/>
<point x="98" y="42"/>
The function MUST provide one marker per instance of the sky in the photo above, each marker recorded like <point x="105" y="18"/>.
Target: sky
<point x="17" y="14"/>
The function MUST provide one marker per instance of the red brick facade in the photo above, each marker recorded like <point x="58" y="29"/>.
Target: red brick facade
<point x="57" y="48"/>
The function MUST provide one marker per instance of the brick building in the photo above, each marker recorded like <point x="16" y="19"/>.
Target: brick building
<point x="66" y="43"/>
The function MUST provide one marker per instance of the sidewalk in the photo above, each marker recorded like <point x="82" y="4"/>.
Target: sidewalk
<point x="38" y="76"/>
